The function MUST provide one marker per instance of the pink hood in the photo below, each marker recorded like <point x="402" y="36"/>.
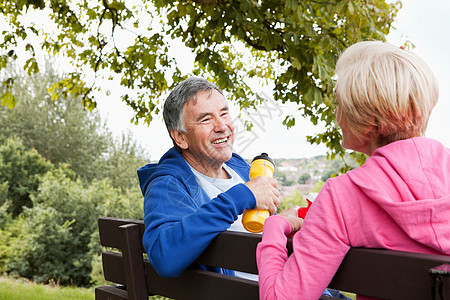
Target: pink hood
<point x="416" y="193"/>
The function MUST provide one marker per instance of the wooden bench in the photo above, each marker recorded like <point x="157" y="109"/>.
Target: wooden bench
<point x="376" y="273"/>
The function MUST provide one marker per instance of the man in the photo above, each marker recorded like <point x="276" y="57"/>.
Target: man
<point x="200" y="187"/>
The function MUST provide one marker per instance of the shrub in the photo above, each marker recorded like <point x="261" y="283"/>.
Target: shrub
<point x="20" y="172"/>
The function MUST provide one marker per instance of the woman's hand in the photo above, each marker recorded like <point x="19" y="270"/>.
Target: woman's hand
<point x="291" y="215"/>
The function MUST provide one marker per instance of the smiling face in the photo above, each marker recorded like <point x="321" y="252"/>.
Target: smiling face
<point x="209" y="135"/>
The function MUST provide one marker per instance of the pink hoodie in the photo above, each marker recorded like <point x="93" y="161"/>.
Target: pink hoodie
<point x="399" y="199"/>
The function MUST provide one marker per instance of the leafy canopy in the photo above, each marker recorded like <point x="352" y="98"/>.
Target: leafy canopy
<point x="290" y="44"/>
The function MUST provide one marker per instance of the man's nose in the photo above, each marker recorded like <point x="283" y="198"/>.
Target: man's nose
<point x="220" y="125"/>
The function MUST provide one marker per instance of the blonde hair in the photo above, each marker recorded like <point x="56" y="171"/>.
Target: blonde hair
<point x="385" y="88"/>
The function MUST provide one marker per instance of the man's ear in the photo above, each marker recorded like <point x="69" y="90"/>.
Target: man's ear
<point x="179" y="138"/>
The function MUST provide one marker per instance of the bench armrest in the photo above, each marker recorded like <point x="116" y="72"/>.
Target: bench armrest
<point x="133" y="261"/>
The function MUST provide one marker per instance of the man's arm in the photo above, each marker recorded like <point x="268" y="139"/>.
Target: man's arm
<point x="178" y="227"/>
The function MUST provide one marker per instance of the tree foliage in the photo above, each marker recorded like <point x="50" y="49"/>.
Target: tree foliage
<point x="303" y="178"/>
<point x="20" y="171"/>
<point x="53" y="243"/>
<point x="63" y="132"/>
<point x="123" y="158"/>
<point x="292" y="45"/>
<point x="60" y="130"/>
<point x="49" y="207"/>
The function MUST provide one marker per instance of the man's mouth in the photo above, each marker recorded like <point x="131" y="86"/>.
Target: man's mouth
<point x="220" y="141"/>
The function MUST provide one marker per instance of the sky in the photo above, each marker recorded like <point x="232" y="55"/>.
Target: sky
<point x="424" y="23"/>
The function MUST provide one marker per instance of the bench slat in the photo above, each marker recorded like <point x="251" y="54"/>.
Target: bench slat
<point x="232" y="250"/>
<point x="109" y="231"/>
<point x="133" y="261"/>
<point x="110" y="292"/>
<point x="391" y="274"/>
<point x="201" y="285"/>
<point x="113" y="269"/>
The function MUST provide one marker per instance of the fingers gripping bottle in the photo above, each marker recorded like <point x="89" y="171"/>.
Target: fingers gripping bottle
<point x="253" y="219"/>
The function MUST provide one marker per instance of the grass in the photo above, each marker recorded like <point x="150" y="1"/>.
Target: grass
<point x="12" y="289"/>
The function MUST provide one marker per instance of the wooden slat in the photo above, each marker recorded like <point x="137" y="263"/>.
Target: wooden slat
<point x="201" y="285"/>
<point x="441" y="281"/>
<point x="113" y="269"/>
<point x="387" y="274"/>
<point x="232" y="250"/>
<point x="133" y="261"/>
<point x="110" y="292"/>
<point x="109" y="231"/>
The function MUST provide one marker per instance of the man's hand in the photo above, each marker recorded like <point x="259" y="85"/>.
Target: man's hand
<point x="291" y="214"/>
<point x="265" y="190"/>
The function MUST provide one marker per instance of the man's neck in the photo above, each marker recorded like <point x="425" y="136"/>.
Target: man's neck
<point x="207" y="169"/>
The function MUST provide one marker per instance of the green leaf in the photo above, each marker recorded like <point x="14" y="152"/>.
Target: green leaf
<point x="289" y="121"/>
<point x="8" y="99"/>
<point x="244" y="6"/>
<point x="296" y="63"/>
<point x="31" y="66"/>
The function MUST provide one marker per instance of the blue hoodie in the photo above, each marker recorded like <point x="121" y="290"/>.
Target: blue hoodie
<point x="180" y="219"/>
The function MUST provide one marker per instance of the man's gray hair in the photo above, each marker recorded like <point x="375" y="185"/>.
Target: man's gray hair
<point x="173" y="112"/>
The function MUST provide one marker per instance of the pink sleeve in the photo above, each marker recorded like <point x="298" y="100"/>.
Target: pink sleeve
<point x="271" y="255"/>
<point x="318" y="249"/>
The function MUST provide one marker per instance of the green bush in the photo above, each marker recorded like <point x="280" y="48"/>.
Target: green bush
<point x="41" y="250"/>
<point x="20" y="171"/>
<point x="5" y="238"/>
<point x="55" y="234"/>
<point x="61" y="130"/>
<point x="57" y="237"/>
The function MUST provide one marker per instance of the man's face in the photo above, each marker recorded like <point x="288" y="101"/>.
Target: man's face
<point x="209" y="135"/>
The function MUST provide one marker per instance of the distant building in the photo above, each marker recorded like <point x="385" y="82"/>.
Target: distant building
<point x="287" y="169"/>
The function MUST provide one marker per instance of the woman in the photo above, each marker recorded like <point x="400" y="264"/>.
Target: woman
<point x="399" y="199"/>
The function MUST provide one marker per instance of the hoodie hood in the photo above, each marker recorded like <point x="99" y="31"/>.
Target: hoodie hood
<point x="411" y="182"/>
<point x="173" y="164"/>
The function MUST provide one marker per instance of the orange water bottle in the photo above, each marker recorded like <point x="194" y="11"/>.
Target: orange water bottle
<point x="253" y="219"/>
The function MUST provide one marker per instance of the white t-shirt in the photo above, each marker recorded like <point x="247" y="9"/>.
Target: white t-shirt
<point x="215" y="186"/>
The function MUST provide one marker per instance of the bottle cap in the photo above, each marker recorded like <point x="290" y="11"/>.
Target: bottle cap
<point x="264" y="156"/>
<point x="312" y="196"/>
<point x="253" y="219"/>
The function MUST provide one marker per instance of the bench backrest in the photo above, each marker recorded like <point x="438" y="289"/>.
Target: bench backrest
<point x="376" y="273"/>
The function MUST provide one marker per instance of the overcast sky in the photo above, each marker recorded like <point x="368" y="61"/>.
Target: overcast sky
<point x="425" y="23"/>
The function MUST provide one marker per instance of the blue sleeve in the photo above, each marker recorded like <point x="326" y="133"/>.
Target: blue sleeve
<point x="178" y="226"/>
